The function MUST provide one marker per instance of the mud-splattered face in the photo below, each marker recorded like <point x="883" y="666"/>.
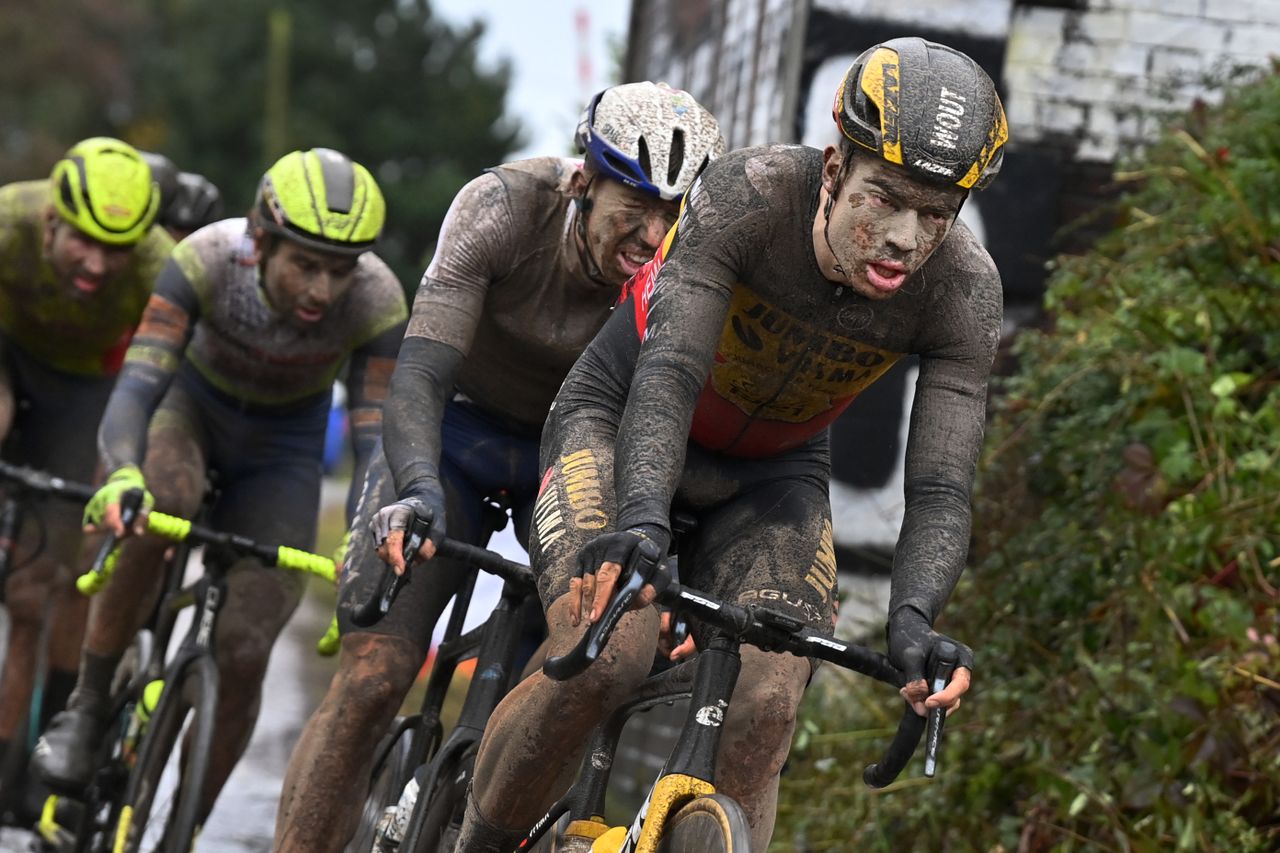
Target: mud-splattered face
<point x="302" y="284"/>
<point x="81" y="264"/>
<point x="883" y="224"/>
<point x="625" y="227"/>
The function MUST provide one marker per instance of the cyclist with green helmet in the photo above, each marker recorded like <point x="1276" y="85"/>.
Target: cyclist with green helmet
<point x="793" y="280"/>
<point x="530" y="261"/>
<point x="78" y="258"/>
<point x="232" y="370"/>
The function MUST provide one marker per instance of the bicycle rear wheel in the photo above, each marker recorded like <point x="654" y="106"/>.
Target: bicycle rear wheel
<point x="711" y="824"/>
<point x="437" y="817"/>
<point x="162" y="798"/>
<point x="385" y="784"/>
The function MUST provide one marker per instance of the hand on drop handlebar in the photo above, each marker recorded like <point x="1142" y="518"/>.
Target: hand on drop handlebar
<point x="103" y="510"/>
<point x="600" y="564"/>
<point x="389" y="524"/>
<point x="912" y="643"/>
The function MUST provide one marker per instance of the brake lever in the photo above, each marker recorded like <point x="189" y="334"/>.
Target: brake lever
<point x="945" y="666"/>
<point x="130" y="506"/>
<point x="391" y="583"/>
<point x="642" y="568"/>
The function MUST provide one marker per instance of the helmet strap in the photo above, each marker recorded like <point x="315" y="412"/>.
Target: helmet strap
<point x="584" y="206"/>
<point x="838" y="184"/>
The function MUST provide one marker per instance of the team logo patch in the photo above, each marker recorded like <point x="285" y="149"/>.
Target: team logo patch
<point x="773" y="366"/>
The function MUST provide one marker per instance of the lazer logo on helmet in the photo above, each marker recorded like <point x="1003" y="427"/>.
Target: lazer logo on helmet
<point x="936" y="168"/>
<point x="948" y="119"/>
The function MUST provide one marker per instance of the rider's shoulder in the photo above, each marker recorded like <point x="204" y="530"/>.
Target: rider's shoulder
<point x="963" y="256"/>
<point x="550" y="172"/>
<point x="377" y="291"/>
<point x="768" y="169"/>
<point x="216" y="251"/>
<point x="536" y="182"/>
<point x="24" y="201"/>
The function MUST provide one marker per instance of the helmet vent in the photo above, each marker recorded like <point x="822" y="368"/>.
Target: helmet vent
<point x="676" y="161"/>
<point x="643" y="159"/>
<point x="339" y="183"/>
<point x="64" y="189"/>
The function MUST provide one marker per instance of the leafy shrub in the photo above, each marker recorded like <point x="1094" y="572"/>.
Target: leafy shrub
<point x="1123" y="594"/>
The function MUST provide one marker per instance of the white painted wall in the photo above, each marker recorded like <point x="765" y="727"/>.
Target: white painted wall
<point x="1105" y="77"/>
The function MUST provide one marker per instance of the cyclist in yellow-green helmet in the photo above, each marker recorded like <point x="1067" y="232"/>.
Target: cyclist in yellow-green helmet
<point x="78" y="257"/>
<point x="232" y="370"/>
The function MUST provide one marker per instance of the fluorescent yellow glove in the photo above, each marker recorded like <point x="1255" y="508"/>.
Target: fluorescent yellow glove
<point x="121" y="480"/>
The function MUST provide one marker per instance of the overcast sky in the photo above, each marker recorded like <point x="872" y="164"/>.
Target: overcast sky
<point x="541" y="41"/>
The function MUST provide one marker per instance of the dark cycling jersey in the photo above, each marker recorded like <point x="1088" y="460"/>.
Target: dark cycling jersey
<point x="749" y="351"/>
<point x="61" y="329"/>
<point x="506" y="291"/>
<point x="209" y="307"/>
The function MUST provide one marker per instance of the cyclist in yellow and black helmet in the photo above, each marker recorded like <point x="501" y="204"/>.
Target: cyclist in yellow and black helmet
<point x="78" y="259"/>
<point x="793" y="280"/>
<point x="232" y="369"/>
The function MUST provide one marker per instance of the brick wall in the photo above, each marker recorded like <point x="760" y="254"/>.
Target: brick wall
<point x="1099" y="79"/>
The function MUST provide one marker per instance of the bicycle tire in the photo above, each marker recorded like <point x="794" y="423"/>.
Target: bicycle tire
<point x="6" y="628"/>
<point x="161" y="812"/>
<point x="100" y="809"/>
<point x="386" y="782"/>
<point x="437" y="818"/>
<point x="711" y="824"/>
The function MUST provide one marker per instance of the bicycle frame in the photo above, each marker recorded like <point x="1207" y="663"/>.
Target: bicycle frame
<point x="689" y="769"/>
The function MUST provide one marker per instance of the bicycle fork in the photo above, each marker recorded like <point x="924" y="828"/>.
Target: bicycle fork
<point x="687" y="774"/>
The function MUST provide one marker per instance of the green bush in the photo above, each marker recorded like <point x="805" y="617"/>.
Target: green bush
<point x="1122" y="597"/>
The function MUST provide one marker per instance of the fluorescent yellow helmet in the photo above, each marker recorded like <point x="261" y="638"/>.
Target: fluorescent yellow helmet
<point x="323" y="200"/>
<point x="103" y="187"/>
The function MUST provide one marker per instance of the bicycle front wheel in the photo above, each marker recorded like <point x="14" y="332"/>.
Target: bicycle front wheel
<point x="162" y="799"/>
<point x="711" y="824"/>
<point x="437" y="817"/>
<point x="385" y="785"/>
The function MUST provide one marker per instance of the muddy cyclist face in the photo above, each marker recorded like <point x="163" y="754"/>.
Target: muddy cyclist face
<point x="625" y="227"/>
<point x="303" y="284"/>
<point x="81" y="264"/>
<point x="883" y="225"/>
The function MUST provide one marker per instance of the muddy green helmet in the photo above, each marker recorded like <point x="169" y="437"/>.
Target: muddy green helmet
<point x="323" y="200"/>
<point x="104" y="188"/>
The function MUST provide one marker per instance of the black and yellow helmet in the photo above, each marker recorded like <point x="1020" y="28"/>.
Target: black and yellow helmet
<point x="104" y="188"/>
<point x="323" y="200"/>
<point x="926" y="107"/>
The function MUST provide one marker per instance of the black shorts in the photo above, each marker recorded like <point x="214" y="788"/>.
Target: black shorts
<point x="764" y="524"/>
<point x="55" y="429"/>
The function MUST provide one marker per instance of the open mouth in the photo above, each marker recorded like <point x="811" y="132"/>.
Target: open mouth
<point x="631" y="260"/>
<point x="86" y="285"/>
<point x="309" y="315"/>
<point x="886" y="277"/>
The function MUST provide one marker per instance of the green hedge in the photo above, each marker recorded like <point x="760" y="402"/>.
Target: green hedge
<point x="1122" y="597"/>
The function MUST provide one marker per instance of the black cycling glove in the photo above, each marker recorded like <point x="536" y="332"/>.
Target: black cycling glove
<point x="912" y="642"/>
<point x="424" y="501"/>
<point x="618" y="548"/>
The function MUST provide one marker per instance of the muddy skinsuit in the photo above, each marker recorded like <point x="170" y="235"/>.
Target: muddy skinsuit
<point x="60" y="351"/>
<point x="239" y="389"/>
<point x="502" y="313"/>
<point x="712" y="387"/>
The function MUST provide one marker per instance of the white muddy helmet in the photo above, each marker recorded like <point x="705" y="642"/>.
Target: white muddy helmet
<point x="649" y="136"/>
